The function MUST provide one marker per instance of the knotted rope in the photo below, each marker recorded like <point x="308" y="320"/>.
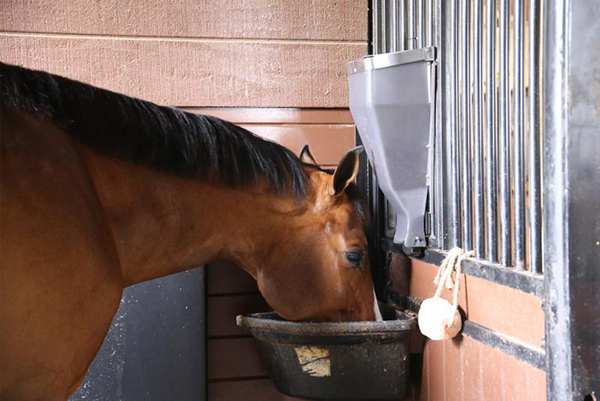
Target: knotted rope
<point x="452" y="262"/>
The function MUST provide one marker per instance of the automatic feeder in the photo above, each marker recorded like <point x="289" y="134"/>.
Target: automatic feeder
<point x="392" y="102"/>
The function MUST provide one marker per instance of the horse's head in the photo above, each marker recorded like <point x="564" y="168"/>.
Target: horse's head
<point x="322" y="270"/>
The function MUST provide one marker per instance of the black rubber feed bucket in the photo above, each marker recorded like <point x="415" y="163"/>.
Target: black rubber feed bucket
<point x="335" y="361"/>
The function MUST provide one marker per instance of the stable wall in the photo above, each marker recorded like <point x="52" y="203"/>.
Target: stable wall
<point x="477" y="364"/>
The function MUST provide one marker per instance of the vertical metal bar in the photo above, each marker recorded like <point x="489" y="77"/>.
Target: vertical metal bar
<point x="420" y="23"/>
<point x="446" y="226"/>
<point x="478" y="192"/>
<point x="376" y="26"/>
<point x="411" y="30"/>
<point x="430" y="11"/>
<point x="491" y="134"/>
<point x="557" y="275"/>
<point x="465" y="126"/>
<point x="394" y="30"/>
<point x="504" y="135"/>
<point x="519" y="132"/>
<point x="570" y="198"/>
<point x="535" y="212"/>
<point x="440" y="182"/>
<point x="384" y="27"/>
<point x="402" y="25"/>
<point x="374" y="195"/>
<point x="451" y="164"/>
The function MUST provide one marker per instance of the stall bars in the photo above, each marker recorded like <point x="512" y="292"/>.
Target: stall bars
<point x="486" y="184"/>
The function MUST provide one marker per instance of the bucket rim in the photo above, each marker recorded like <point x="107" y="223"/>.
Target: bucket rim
<point x="271" y="322"/>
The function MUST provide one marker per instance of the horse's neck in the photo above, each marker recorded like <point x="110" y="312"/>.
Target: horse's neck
<point x="162" y="224"/>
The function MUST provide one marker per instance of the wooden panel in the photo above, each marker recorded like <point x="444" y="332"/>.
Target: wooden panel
<point x="247" y="390"/>
<point x="472" y="372"/>
<point x="471" y="369"/>
<point x="506" y="310"/>
<point x="434" y="370"/>
<point x="497" y="307"/>
<point x="322" y="20"/>
<point x="234" y="358"/>
<point x="277" y="115"/>
<point x="223" y="310"/>
<point x="225" y="278"/>
<point x="328" y="143"/>
<point x="453" y="370"/>
<point x="195" y="72"/>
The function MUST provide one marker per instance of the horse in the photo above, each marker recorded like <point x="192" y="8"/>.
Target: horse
<point x="100" y="191"/>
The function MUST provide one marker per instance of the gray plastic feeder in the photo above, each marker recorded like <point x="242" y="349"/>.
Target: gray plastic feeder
<point x="392" y="102"/>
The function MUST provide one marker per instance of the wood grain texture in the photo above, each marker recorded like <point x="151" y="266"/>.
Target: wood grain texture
<point x="247" y="390"/>
<point x="223" y="310"/>
<point x="195" y="72"/>
<point x="497" y="307"/>
<point x="463" y="369"/>
<point x="234" y="358"/>
<point x="328" y="143"/>
<point x="273" y="116"/>
<point x="272" y="19"/>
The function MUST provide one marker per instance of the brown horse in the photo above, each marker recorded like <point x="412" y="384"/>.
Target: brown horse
<point x="100" y="191"/>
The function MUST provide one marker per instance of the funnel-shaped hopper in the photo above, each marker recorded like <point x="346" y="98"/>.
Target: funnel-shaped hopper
<point x="392" y="102"/>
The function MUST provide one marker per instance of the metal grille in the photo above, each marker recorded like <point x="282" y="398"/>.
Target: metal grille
<point x="486" y="185"/>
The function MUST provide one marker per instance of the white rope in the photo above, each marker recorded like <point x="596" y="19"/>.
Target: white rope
<point x="451" y="263"/>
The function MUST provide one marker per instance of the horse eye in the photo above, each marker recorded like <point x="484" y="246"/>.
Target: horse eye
<point x="355" y="257"/>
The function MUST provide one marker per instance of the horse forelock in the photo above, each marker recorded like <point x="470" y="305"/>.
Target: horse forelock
<point x="164" y="138"/>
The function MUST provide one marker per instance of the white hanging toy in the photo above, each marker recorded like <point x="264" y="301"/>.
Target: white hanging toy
<point x="438" y="319"/>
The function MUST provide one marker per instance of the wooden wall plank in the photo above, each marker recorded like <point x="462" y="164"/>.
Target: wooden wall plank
<point x="471" y="369"/>
<point x="223" y="310"/>
<point x="328" y="143"/>
<point x="314" y="20"/>
<point x="247" y="390"/>
<point x="195" y="72"/>
<point x="474" y="371"/>
<point x="273" y="116"/>
<point x="234" y="358"/>
<point x="497" y="307"/>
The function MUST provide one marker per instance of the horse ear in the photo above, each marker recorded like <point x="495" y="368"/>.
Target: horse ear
<point x="346" y="171"/>
<point x="306" y="156"/>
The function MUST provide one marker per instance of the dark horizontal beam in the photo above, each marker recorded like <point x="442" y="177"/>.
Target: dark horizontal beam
<point x="493" y="272"/>
<point x="534" y="356"/>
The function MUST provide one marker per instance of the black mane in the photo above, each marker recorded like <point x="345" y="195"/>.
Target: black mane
<point x="165" y="138"/>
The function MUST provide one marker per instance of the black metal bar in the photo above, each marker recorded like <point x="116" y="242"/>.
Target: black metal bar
<point x="531" y="355"/>
<point x="493" y="272"/>
<point x="571" y="182"/>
